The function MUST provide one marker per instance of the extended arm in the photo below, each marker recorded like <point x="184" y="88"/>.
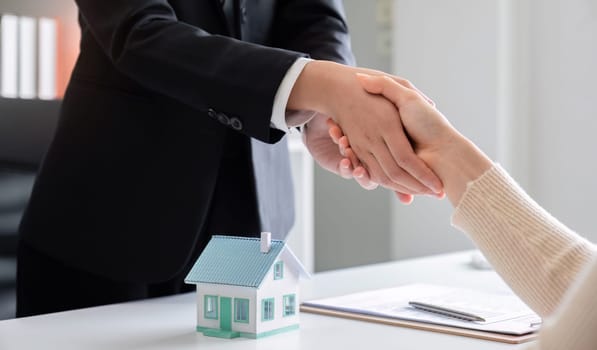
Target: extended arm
<point x="147" y="42"/>
<point x="537" y="255"/>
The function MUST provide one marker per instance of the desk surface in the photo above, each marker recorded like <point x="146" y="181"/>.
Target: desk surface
<point x="169" y="322"/>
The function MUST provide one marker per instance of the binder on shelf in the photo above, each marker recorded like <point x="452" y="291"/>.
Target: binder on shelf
<point x="9" y="32"/>
<point x="47" y="39"/>
<point x="27" y="57"/>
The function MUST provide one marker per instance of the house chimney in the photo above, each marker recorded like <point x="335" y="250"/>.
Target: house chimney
<point x="266" y="241"/>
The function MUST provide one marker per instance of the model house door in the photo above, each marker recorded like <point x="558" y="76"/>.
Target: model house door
<point x="225" y="314"/>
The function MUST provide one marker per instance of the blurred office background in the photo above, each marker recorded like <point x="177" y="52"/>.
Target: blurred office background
<point x="516" y="76"/>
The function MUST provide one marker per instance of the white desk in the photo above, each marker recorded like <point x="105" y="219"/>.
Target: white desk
<point x="169" y="323"/>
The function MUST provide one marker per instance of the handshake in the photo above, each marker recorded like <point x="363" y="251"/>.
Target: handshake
<point x="374" y="127"/>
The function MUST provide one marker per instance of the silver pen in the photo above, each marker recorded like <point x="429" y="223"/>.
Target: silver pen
<point x="446" y="312"/>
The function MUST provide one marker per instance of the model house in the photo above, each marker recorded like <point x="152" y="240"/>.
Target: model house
<point x="247" y="287"/>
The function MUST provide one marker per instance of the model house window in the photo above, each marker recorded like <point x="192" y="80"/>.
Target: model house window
<point x="210" y="307"/>
<point x="241" y="310"/>
<point x="267" y="309"/>
<point x="289" y="305"/>
<point x="279" y="270"/>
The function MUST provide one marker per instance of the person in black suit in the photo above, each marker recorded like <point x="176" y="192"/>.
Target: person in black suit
<point x="171" y="130"/>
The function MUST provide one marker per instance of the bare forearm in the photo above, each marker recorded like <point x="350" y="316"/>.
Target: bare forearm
<point x="458" y="163"/>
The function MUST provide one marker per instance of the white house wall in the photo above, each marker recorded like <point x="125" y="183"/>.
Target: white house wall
<point x="276" y="289"/>
<point x="226" y="291"/>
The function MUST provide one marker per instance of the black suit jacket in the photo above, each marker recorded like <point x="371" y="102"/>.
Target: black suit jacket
<point x="162" y="94"/>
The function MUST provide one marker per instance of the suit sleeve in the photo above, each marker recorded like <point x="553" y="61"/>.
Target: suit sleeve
<point x="146" y="42"/>
<point x="315" y="27"/>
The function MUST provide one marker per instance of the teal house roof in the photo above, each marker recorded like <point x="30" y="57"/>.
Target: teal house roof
<point x="236" y="261"/>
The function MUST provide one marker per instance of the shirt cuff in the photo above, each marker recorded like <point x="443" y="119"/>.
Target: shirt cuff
<point x="279" y="113"/>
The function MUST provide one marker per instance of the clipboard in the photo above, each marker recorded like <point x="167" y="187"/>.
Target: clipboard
<point x="342" y="307"/>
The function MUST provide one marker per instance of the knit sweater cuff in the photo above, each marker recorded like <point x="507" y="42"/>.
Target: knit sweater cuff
<point x="536" y="255"/>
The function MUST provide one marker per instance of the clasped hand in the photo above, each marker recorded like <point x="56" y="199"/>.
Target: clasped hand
<point x="427" y="129"/>
<point x="379" y="151"/>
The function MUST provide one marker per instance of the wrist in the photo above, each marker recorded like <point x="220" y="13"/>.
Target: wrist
<point x="459" y="162"/>
<point x="309" y="90"/>
<point x="298" y="118"/>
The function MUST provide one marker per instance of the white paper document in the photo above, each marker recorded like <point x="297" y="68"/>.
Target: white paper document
<point x="503" y="313"/>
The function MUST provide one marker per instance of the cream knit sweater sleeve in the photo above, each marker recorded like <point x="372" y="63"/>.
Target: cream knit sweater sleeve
<point x="537" y="256"/>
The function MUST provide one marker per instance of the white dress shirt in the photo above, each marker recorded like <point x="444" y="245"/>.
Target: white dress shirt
<point x="280" y="115"/>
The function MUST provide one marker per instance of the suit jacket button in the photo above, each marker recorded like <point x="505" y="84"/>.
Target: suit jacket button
<point x="223" y="118"/>
<point x="236" y="124"/>
<point x="212" y="114"/>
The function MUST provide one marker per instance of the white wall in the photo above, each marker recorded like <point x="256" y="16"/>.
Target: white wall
<point x="517" y="77"/>
<point x="301" y="237"/>
<point x="563" y="114"/>
<point x="352" y="226"/>
<point x="449" y="50"/>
